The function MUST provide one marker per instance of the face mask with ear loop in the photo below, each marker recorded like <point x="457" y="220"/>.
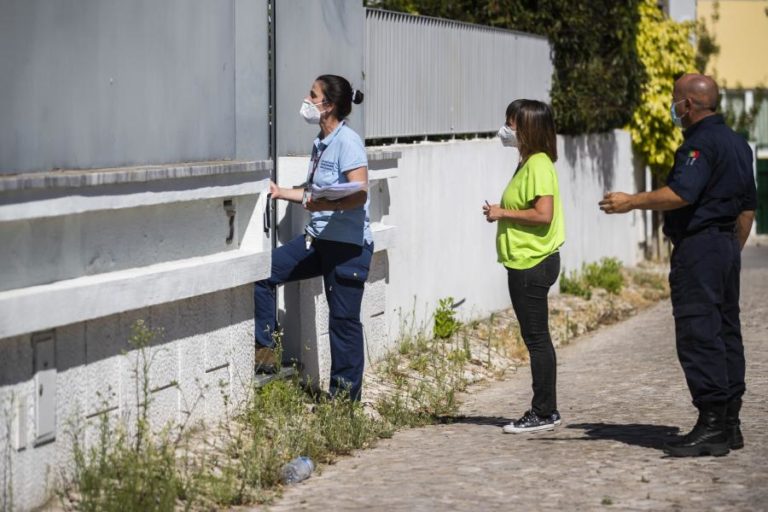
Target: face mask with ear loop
<point x="678" y="120"/>
<point x="508" y="136"/>
<point x="309" y="112"/>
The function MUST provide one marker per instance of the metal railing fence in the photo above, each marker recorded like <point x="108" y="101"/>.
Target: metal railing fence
<point x="429" y="76"/>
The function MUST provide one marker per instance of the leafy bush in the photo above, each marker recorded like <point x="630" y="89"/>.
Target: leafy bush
<point x="605" y="274"/>
<point x="574" y="285"/>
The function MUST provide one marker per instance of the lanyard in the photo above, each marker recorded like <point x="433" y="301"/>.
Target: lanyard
<point x="316" y="156"/>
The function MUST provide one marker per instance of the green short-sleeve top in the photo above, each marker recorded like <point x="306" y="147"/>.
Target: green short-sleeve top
<point x="522" y="247"/>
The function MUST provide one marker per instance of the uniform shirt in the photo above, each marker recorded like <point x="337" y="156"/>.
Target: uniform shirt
<point x="340" y="152"/>
<point x="522" y="247"/>
<point x="713" y="173"/>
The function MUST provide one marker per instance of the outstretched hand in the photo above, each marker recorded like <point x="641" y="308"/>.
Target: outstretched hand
<point x="616" y="202"/>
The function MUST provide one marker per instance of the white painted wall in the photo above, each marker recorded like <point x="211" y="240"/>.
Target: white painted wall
<point x="445" y="246"/>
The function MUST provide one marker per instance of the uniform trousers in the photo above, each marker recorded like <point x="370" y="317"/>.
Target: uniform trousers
<point x="704" y="281"/>
<point x="344" y="268"/>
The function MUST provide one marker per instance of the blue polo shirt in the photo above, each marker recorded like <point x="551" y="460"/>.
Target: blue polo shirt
<point x="340" y="152"/>
<point x="713" y="172"/>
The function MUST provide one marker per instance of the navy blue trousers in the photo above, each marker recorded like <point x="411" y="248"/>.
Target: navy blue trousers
<point x="704" y="280"/>
<point x="344" y="268"/>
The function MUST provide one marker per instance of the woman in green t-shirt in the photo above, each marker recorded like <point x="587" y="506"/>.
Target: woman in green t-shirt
<point x="530" y="233"/>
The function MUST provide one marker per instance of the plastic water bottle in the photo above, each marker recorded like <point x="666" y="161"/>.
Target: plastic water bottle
<point x="297" y="470"/>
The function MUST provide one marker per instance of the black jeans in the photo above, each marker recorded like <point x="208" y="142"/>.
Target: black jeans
<point x="528" y="290"/>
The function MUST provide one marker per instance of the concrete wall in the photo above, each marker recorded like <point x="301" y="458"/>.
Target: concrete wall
<point x="81" y="266"/>
<point x="203" y="355"/>
<point x="101" y="83"/>
<point x="158" y="112"/>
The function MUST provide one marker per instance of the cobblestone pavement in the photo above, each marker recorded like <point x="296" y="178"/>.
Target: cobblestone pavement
<point x="621" y="394"/>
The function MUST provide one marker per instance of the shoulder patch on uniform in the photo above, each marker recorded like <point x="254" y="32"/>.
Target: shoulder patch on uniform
<point x="692" y="156"/>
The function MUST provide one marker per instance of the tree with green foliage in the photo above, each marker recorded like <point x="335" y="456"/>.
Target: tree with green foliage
<point x="666" y="52"/>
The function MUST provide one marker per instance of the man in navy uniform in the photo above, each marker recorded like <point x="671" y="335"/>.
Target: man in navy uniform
<point x="709" y="204"/>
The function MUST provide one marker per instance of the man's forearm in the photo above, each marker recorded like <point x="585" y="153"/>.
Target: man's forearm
<point x="744" y="225"/>
<point x="660" y="199"/>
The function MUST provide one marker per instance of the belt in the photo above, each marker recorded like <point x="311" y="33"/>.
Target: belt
<point x="730" y="228"/>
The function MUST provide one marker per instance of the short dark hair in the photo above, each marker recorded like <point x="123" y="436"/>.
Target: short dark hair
<point x="535" y="126"/>
<point x="338" y="91"/>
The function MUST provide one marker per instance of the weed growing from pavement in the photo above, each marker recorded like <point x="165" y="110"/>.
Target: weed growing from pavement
<point x="131" y="467"/>
<point x="446" y="323"/>
<point x="280" y="421"/>
<point x="424" y="374"/>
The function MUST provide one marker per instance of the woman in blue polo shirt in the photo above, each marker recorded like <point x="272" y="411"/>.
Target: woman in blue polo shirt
<point x="337" y="243"/>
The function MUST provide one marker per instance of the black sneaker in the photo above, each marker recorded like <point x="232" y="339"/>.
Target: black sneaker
<point x="531" y="422"/>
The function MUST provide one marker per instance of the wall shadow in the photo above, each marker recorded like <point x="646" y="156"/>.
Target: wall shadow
<point x="596" y="152"/>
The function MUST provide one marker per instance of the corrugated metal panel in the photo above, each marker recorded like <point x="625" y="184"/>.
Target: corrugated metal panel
<point x="430" y="76"/>
<point x="109" y="83"/>
<point x="313" y="39"/>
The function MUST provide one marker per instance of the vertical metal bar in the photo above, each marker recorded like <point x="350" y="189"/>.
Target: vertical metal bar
<point x="271" y="204"/>
<point x="272" y="45"/>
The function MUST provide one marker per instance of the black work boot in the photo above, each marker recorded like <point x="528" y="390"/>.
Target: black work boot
<point x="708" y="437"/>
<point x="732" y="425"/>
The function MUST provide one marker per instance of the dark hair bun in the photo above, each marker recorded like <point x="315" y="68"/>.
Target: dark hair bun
<point x="357" y="97"/>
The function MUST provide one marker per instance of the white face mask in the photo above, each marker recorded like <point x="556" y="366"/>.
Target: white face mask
<point x="508" y="136"/>
<point x="309" y="112"/>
